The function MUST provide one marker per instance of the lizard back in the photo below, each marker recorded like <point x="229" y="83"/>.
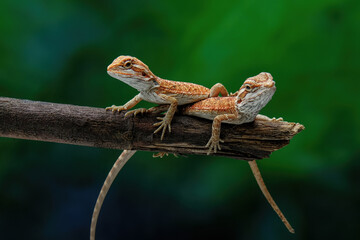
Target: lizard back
<point x="211" y="107"/>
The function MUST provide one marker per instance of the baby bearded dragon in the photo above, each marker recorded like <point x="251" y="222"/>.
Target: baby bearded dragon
<point x="152" y="89"/>
<point x="241" y="107"/>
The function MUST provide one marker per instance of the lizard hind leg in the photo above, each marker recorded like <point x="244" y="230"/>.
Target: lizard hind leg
<point x="163" y="154"/>
<point x="120" y="162"/>
<point x="218" y="89"/>
<point x="265" y="191"/>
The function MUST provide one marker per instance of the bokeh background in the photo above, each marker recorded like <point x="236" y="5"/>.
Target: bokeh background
<point x="58" y="51"/>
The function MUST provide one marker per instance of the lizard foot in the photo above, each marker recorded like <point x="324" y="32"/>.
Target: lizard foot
<point x="136" y="111"/>
<point x="214" y="143"/>
<point x="260" y="117"/>
<point x="277" y="119"/>
<point x="162" y="154"/>
<point x="163" y="124"/>
<point x="114" y="108"/>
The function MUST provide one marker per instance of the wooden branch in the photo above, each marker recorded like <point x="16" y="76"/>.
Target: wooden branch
<point x="95" y="127"/>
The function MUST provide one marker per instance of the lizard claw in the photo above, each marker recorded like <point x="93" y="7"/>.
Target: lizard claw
<point x="277" y="119"/>
<point x="114" y="108"/>
<point x="136" y="111"/>
<point x="163" y="124"/>
<point x="162" y="154"/>
<point x="214" y="143"/>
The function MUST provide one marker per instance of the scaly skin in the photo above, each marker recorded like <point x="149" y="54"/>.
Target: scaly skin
<point x="120" y="162"/>
<point x="256" y="172"/>
<point x="153" y="89"/>
<point x="239" y="108"/>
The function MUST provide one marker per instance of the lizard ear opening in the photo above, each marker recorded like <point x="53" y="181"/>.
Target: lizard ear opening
<point x="156" y="84"/>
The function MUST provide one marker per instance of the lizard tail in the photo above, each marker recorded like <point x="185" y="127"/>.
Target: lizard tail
<point x="120" y="162"/>
<point x="260" y="181"/>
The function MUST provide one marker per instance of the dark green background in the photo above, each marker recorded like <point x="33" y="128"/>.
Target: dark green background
<point x="58" y="51"/>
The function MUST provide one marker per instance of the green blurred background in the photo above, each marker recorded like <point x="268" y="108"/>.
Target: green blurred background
<point x="58" y="51"/>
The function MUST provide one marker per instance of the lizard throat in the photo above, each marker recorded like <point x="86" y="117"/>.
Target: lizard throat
<point x="254" y="102"/>
<point x="139" y="84"/>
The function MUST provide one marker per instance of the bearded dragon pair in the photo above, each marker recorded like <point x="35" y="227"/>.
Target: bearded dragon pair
<point x="238" y="108"/>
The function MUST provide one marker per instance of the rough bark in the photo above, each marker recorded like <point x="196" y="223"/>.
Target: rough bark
<point x="95" y="127"/>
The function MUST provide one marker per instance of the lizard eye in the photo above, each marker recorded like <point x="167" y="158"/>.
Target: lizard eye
<point x="247" y="87"/>
<point x="127" y="64"/>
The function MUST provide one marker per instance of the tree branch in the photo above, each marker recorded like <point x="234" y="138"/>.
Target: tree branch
<point x="95" y="127"/>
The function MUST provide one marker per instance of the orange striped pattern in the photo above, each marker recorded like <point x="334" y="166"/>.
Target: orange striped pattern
<point x="217" y="105"/>
<point x="172" y="87"/>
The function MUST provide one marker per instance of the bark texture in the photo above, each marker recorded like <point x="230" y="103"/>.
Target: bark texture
<point x="88" y="126"/>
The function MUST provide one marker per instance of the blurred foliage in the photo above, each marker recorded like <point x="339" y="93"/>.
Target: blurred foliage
<point x="57" y="51"/>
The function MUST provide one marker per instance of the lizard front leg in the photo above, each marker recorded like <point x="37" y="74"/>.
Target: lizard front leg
<point x="166" y="120"/>
<point x="214" y="142"/>
<point x="130" y="104"/>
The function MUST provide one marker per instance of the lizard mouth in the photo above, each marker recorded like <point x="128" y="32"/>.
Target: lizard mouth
<point x="117" y="74"/>
<point x="270" y="84"/>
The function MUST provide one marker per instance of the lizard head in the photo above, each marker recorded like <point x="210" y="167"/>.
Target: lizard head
<point x="133" y="72"/>
<point x="255" y="93"/>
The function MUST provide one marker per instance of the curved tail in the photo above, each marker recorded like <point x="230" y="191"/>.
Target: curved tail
<point x="260" y="181"/>
<point x="120" y="162"/>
